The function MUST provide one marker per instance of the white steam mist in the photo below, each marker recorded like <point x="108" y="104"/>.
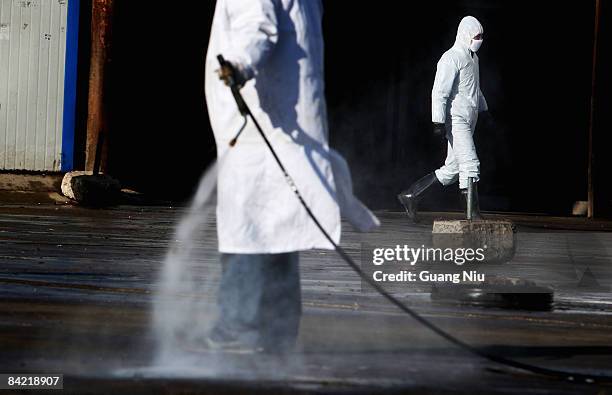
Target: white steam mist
<point x="184" y="305"/>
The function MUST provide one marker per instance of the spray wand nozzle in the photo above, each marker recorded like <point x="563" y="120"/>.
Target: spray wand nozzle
<point x="235" y="139"/>
<point x="228" y="74"/>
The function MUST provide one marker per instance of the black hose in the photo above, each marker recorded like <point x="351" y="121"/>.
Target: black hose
<point x="570" y="376"/>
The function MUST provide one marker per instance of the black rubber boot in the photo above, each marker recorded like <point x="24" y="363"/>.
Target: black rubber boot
<point x="410" y="198"/>
<point x="470" y="199"/>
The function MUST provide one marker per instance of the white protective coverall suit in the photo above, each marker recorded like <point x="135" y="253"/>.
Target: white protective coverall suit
<point x="456" y="101"/>
<point x="279" y="45"/>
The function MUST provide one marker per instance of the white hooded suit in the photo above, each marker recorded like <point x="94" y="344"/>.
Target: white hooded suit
<point x="456" y="101"/>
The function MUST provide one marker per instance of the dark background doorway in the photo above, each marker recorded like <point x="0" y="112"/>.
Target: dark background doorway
<point x="380" y="65"/>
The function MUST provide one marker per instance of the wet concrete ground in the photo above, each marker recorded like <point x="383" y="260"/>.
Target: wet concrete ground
<point x="76" y="287"/>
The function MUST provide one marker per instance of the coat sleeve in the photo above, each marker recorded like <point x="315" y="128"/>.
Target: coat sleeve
<point x="254" y="32"/>
<point x="482" y="102"/>
<point x="443" y="85"/>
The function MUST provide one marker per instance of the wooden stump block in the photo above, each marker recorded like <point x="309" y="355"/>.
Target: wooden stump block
<point x="496" y="238"/>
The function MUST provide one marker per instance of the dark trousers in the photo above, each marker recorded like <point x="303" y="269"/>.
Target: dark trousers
<point x="260" y="300"/>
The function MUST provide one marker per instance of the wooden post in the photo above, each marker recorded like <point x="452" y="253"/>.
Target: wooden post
<point x="591" y="193"/>
<point x="101" y="27"/>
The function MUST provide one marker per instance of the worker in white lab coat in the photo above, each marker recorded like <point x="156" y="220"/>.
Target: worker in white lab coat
<point x="276" y="50"/>
<point x="456" y="100"/>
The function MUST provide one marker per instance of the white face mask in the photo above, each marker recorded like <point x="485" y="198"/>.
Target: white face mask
<point x="475" y="45"/>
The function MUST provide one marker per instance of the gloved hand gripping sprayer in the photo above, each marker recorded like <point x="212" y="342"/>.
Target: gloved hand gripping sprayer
<point x="229" y="75"/>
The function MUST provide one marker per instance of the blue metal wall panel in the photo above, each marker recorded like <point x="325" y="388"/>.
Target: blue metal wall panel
<point x="70" y="86"/>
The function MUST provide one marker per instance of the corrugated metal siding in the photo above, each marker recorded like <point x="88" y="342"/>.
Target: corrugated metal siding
<point x="32" y="61"/>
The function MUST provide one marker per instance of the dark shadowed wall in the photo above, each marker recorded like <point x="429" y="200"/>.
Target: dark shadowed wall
<point x="160" y="138"/>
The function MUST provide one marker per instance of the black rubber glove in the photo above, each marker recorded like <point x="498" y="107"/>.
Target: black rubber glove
<point x="439" y="130"/>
